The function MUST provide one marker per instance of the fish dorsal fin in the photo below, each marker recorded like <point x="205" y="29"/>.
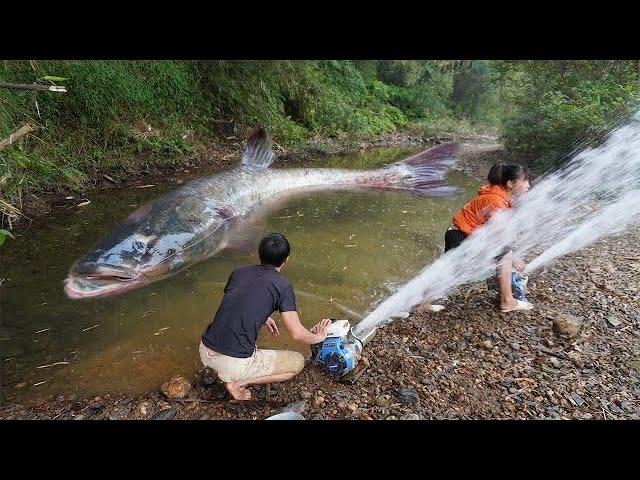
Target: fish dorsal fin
<point x="258" y="150"/>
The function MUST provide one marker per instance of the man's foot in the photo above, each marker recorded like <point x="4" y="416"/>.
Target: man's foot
<point x="238" y="391"/>
<point x="427" y="307"/>
<point x="516" y="305"/>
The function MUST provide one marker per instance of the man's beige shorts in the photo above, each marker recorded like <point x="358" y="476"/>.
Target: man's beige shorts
<point x="260" y="364"/>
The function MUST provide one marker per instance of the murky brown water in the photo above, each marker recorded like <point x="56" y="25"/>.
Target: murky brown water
<point x="349" y="251"/>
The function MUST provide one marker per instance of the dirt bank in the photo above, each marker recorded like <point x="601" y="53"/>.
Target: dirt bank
<point x="216" y="156"/>
<point x="468" y="361"/>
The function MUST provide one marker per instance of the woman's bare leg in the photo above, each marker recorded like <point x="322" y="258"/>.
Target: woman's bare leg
<point x="503" y="276"/>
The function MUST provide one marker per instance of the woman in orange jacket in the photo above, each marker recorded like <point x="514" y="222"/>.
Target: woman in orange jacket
<point x="505" y="182"/>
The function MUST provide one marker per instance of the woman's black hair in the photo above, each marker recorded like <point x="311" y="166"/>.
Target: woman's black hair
<point x="274" y="249"/>
<point x="501" y="173"/>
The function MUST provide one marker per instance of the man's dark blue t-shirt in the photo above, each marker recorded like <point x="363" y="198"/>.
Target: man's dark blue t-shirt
<point x="250" y="296"/>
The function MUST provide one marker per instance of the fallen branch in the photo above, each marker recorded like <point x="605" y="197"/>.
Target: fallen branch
<point x="21" y="132"/>
<point x="193" y="400"/>
<point x="33" y="86"/>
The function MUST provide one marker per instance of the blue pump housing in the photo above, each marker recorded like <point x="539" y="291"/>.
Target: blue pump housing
<point x="337" y="356"/>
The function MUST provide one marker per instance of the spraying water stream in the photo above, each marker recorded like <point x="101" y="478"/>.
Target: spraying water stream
<point x="595" y="195"/>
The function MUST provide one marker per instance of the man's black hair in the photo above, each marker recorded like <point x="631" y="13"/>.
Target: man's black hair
<point x="274" y="249"/>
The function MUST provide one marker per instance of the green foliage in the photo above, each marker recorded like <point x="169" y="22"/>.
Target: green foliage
<point x="3" y="235"/>
<point x="126" y="114"/>
<point x="555" y="107"/>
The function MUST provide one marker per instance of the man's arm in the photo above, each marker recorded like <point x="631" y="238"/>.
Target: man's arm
<point x="299" y="333"/>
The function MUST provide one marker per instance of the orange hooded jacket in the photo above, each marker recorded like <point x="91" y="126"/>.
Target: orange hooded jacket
<point x="478" y="211"/>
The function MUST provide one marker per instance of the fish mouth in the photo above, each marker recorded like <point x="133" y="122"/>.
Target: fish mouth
<point x="101" y="283"/>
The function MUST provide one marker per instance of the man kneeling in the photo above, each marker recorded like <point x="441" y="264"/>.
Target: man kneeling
<point x="251" y="295"/>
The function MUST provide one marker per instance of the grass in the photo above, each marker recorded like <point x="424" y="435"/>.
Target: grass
<point x="120" y="115"/>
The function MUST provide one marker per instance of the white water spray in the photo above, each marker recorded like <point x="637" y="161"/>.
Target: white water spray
<point x="595" y="195"/>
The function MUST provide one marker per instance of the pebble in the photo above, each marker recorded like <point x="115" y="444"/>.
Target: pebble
<point x="410" y="416"/>
<point x="165" y="414"/>
<point x="317" y="401"/>
<point x="407" y="395"/>
<point x="567" y="326"/>
<point x="487" y="345"/>
<point x="613" y="321"/>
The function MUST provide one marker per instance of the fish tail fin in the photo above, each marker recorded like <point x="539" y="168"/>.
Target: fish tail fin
<point x="258" y="150"/>
<point x="424" y="172"/>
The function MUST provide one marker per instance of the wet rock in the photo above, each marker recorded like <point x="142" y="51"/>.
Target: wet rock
<point x="21" y="385"/>
<point x="96" y="407"/>
<point x="273" y="390"/>
<point x="176" y="387"/>
<point x="567" y="326"/>
<point x="515" y="345"/>
<point x="79" y="417"/>
<point x="306" y="395"/>
<point x="166" y="414"/>
<point x="209" y="377"/>
<point x="407" y="395"/>
<point x="318" y="401"/>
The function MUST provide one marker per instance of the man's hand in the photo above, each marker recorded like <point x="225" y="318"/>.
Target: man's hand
<point x="321" y="327"/>
<point x="273" y="328"/>
<point x="519" y="265"/>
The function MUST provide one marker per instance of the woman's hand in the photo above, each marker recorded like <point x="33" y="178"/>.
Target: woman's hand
<point x="519" y="265"/>
<point x="273" y="328"/>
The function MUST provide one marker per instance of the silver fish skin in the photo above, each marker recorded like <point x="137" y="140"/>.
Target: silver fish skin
<point x="197" y="220"/>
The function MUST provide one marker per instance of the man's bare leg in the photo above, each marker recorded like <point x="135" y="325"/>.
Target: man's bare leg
<point x="239" y="390"/>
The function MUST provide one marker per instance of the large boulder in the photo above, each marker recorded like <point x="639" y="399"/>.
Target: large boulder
<point x="177" y="387"/>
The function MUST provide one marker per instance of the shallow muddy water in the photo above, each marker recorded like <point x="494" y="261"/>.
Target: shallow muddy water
<point x="350" y="250"/>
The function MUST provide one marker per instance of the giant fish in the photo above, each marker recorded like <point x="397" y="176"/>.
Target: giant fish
<point x="197" y="220"/>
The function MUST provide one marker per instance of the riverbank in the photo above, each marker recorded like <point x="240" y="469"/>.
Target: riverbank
<point x="215" y="156"/>
<point x="468" y="361"/>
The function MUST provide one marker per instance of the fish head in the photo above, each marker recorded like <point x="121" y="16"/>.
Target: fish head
<point x="140" y="250"/>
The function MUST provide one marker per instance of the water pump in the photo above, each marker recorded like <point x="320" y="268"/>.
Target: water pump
<point x="341" y="349"/>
